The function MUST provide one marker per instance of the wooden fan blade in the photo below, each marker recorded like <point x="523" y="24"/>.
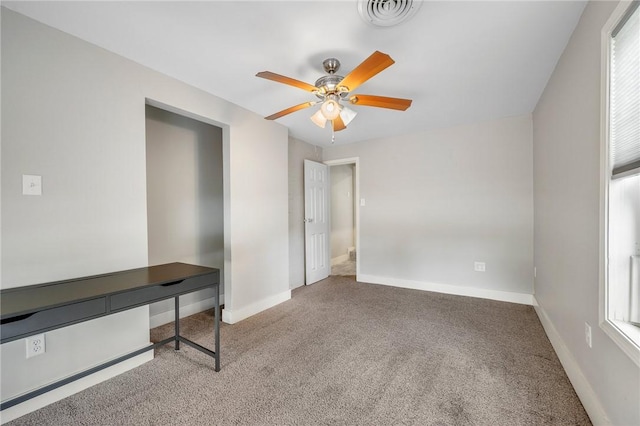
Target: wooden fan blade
<point x="338" y="124"/>
<point x="290" y="110"/>
<point x="371" y="66"/>
<point x="381" y="102"/>
<point x="287" y="80"/>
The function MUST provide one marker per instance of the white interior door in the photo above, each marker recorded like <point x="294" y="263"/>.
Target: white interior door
<point x="316" y="218"/>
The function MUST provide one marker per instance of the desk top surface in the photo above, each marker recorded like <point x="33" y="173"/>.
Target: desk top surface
<point x="27" y="299"/>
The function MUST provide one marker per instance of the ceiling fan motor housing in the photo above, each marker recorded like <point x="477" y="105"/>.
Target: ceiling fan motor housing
<point x="328" y="83"/>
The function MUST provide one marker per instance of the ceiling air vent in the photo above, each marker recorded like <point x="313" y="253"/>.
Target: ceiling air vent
<point x="386" y="13"/>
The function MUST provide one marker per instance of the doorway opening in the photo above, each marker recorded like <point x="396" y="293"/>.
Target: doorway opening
<point x="344" y="216"/>
<point x="185" y="203"/>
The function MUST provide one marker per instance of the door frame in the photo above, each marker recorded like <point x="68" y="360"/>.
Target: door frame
<point x="356" y="166"/>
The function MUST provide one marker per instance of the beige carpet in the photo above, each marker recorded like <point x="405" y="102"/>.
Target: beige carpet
<point x="345" y="353"/>
<point x="346" y="268"/>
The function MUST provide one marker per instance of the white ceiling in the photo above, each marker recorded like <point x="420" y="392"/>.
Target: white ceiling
<point x="460" y="62"/>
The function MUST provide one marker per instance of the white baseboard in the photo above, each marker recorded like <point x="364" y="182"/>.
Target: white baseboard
<point x="62" y="392"/>
<point x="583" y="389"/>
<point x="339" y="259"/>
<point x="185" y="311"/>
<point x="503" y="296"/>
<point x="237" y="315"/>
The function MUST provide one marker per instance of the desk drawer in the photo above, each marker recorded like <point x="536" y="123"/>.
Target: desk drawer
<point x="48" y="319"/>
<point x="154" y="293"/>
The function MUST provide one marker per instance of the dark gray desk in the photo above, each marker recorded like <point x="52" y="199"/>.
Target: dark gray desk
<point x="25" y="311"/>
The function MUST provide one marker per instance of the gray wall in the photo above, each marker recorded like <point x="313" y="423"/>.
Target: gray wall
<point x="298" y="152"/>
<point x="342" y="211"/>
<point x="61" y="119"/>
<point x="566" y="135"/>
<point x="75" y="114"/>
<point x="438" y="201"/>
<point x="184" y="195"/>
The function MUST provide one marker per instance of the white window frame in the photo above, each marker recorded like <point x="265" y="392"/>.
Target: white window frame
<point x="618" y="331"/>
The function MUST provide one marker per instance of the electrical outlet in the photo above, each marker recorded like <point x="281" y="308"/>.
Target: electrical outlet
<point x="479" y="266"/>
<point x="587" y="333"/>
<point x="35" y="345"/>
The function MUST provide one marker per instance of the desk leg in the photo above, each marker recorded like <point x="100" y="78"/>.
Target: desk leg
<point x="217" y="325"/>
<point x="177" y="323"/>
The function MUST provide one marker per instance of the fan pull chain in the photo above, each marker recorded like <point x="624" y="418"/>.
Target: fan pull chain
<point x="333" y="134"/>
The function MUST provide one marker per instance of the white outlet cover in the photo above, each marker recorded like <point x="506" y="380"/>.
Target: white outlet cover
<point x="479" y="266"/>
<point x="35" y="345"/>
<point x="31" y="185"/>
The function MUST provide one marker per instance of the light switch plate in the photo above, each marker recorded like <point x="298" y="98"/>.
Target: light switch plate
<point x="362" y="202"/>
<point x="31" y="185"/>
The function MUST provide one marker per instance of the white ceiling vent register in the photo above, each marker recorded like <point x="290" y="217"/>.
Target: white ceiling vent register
<point x="387" y="13"/>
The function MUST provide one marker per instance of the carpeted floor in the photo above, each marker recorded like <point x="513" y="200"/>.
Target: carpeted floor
<point x="345" y="353"/>
<point x="347" y="268"/>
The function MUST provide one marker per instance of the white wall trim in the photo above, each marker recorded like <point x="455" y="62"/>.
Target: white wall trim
<point x="237" y="315"/>
<point x="482" y="293"/>
<point x="185" y="311"/>
<point x="74" y="387"/>
<point x="583" y="389"/>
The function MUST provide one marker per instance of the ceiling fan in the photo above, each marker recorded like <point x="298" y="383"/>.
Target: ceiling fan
<point x="333" y="88"/>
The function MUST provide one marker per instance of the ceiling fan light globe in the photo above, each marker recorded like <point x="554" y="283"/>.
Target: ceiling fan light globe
<point x="347" y="115"/>
<point x="318" y="119"/>
<point x="330" y="109"/>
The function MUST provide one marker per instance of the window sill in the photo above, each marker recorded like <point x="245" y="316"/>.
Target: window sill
<point x="626" y="335"/>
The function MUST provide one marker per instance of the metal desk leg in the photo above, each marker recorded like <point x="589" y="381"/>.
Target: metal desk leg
<point x="217" y="325"/>
<point x="177" y="324"/>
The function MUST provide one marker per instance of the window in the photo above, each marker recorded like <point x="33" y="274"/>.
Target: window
<point x="620" y="304"/>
